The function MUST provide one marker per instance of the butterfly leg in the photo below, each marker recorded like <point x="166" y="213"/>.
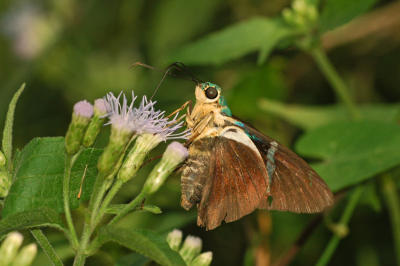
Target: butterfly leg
<point x="187" y="103"/>
<point x="199" y="128"/>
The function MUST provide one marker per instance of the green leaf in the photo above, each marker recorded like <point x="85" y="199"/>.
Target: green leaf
<point x="145" y="242"/>
<point x="338" y="12"/>
<point x="310" y="117"/>
<point x="352" y="152"/>
<point x="8" y="127"/>
<point x="263" y="82"/>
<point x="43" y="217"/>
<point x="167" y="33"/>
<point x="116" y="208"/>
<point x="235" y="41"/>
<point x="133" y="259"/>
<point x="39" y="174"/>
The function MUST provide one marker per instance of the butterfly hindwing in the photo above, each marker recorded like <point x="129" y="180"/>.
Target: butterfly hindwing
<point x="294" y="185"/>
<point x="233" y="181"/>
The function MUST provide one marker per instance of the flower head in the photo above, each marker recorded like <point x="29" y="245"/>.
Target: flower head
<point x="142" y="119"/>
<point x="191" y="248"/>
<point x="174" y="239"/>
<point x="100" y="107"/>
<point x="84" y="109"/>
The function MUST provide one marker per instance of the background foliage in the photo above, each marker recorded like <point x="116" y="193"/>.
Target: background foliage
<point x="69" y="50"/>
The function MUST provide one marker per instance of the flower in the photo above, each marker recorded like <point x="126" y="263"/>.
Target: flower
<point x="191" y="248"/>
<point x="172" y="157"/>
<point x="81" y="115"/>
<point x="174" y="239"/>
<point x="204" y="259"/>
<point x="9" y="247"/>
<point x="9" y="254"/>
<point x="142" y="119"/>
<point x="94" y="127"/>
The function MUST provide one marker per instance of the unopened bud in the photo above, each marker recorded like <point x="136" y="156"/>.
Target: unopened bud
<point x="2" y="160"/>
<point x="204" y="259"/>
<point x="5" y="183"/>
<point x="119" y="138"/>
<point x="9" y="247"/>
<point x="300" y="7"/>
<point x="93" y="130"/>
<point x="143" y="145"/>
<point x="341" y="230"/>
<point x="174" y="239"/>
<point x="83" y="111"/>
<point x="191" y="248"/>
<point x="25" y="256"/>
<point x="172" y="157"/>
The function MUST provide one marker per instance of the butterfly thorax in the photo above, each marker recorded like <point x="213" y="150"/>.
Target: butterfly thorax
<point x="208" y="116"/>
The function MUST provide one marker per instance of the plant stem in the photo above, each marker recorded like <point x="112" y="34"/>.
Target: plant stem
<point x="334" y="79"/>
<point x="344" y="220"/>
<point x="393" y="205"/>
<point x="67" y="210"/>
<point x="107" y="200"/>
<point x="46" y="246"/>
<point x="95" y="199"/>
<point x="129" y="207"/>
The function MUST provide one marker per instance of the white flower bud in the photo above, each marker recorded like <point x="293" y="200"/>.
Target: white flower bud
<point x="143" y="145"/>
<point x="10" y="246"/>
<point x="25" y="256"/>
<point x="172" y="157"/>
<point x="83" y="111"/>
<point x="204" y="259"/>
<point x="174" y="239"/>
<point x="191" y="248"/>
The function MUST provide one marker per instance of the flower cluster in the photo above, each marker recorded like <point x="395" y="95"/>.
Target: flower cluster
<point x="142" y="119"/>
<point x="190" y="250"/>
<point x="302" y="14"/>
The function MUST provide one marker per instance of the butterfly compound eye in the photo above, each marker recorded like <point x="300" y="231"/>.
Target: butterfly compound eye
<point x="211" y="93"/>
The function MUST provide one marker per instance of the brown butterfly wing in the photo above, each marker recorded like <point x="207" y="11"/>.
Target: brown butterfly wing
<point x="295" y="186"/>
<point x="236" y="183"/>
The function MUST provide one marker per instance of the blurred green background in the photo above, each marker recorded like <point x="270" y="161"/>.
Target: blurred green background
<point x="68" y="50"/>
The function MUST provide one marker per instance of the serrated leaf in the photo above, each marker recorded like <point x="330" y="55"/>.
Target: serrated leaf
<point x="8" y="127"/>
<point x="338" y="12"/>
<point x="43" y="217"/>
<point x="310" y="117"/>
<point x="352" y="152"/>
<point x="39" y="175"/>
<point x="145" y="242"/>
<point x="235" y="41"/>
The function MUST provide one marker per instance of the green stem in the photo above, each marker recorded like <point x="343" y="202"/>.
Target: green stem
<point x="67" y="177"/>
<point x="46" y="246"/>
<point x="107" y="200"/>
<point x="334" y="79"/>
<point x="129" y="207"/>
<point x="95" y="199"/>
<point x="393" y="205"/>
<point x="344" y="220"/>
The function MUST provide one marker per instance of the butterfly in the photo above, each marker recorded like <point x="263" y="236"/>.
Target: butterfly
<point x="233" y="169"/>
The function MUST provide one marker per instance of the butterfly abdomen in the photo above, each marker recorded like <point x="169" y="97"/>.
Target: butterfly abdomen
<point x="195" y="172"/>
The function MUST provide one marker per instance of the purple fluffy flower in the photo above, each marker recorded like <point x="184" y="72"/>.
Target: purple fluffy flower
<point x="142" y="119"/>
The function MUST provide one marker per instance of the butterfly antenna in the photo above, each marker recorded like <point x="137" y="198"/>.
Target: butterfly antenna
<point x="181" y="67"/>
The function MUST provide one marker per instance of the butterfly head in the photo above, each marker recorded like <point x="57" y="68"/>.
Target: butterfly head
<point x="210" y="93"/>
